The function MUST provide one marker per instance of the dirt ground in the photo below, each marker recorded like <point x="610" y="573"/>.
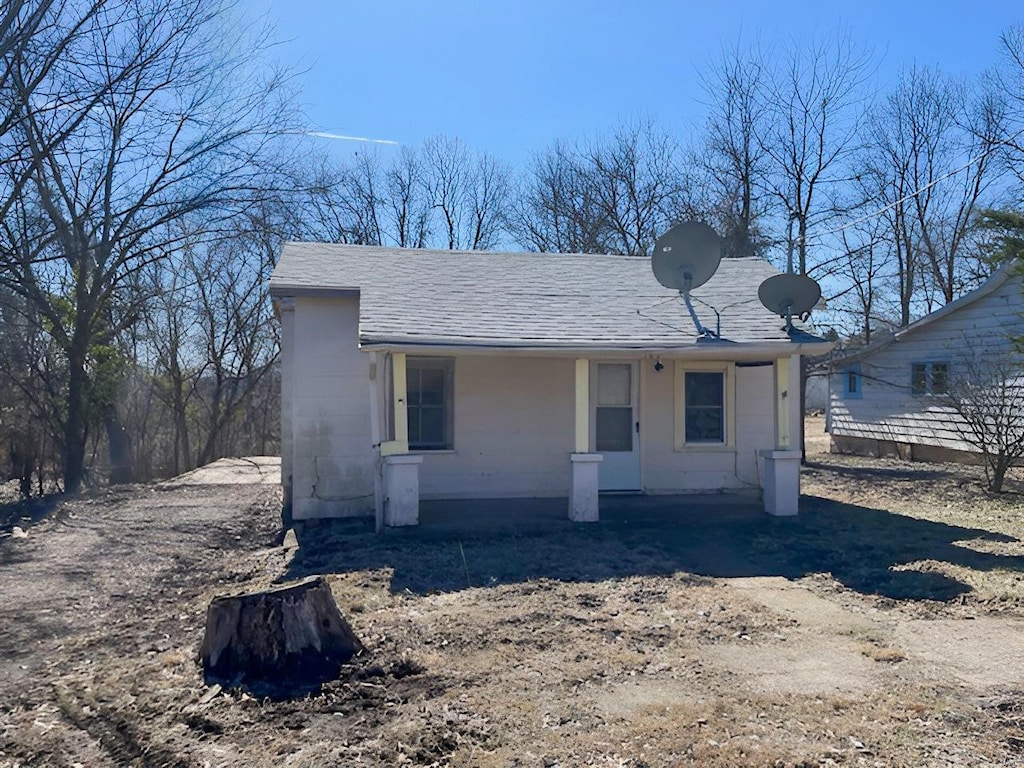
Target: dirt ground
<point x="884" y="627"/>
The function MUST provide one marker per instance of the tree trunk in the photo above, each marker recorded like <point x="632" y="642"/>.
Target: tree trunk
<point x="999" y="467"/>
<point x="282" y="642"/>
<point x="74" y="427"/>
<point x="119" y="446"/>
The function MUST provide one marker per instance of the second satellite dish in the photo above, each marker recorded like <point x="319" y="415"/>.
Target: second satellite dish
<point x="686" y="256"/>
<point x="789" y="294"/>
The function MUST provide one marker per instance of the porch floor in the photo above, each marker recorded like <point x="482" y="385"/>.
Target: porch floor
<point x="529" y="516"/>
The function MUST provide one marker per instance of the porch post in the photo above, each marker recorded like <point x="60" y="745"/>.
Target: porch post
<point x="582" y="406"/>
<point x="401" y="470"/>
<point x="583" y="499"/>
<point x="782" y="403"/>
<point x="781" y="485"/>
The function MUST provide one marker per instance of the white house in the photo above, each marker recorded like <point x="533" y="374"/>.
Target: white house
<point x="411" y="374"/>
<point x="890" y="398"/>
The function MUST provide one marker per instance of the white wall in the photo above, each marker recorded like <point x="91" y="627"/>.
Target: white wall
<point x="513" y="433"/>
<point x="969" y="338"/>
<point x="666" y="470"/>
<point x="513" y="423"/>
<point x="287" y="310"/>
<point x="333" y="458"/>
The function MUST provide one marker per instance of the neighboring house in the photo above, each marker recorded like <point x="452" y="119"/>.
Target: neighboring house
<point x="438" y="374"/>
<point x="890" y="398"/>
<point x="816" y="392"/>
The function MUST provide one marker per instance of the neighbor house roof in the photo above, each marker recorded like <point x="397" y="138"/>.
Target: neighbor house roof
<point x="994" y="282"/>
<point x="479" y="298"/>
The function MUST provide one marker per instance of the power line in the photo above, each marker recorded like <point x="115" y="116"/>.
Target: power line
<point x="973" y="161"/>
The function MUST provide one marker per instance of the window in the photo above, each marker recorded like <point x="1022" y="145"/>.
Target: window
<point x="429" y="385"/>
<point x="704" y="409"/>
<point x="929" y="378"/>
<point x="613" y="413"/>
<point x="852" y="382"/>
<point x="705" y="406"/>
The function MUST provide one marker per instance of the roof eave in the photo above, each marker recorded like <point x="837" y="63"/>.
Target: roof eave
<point x="994" y="282"/>
<point x="279" y="290"/>
<point x="713" y="350"/>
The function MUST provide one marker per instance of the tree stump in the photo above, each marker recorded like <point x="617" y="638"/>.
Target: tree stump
<point x="281" y="642"/>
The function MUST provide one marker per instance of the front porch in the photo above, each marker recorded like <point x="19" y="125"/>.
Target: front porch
<point x="565" y="431"/>
<point x="536" y="516"/>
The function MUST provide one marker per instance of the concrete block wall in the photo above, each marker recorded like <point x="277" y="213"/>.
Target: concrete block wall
<point x="333" y="458"/>
<point x="666" y="470"/>
<point x="514" y="430"/>
<point x="286" y="307"/>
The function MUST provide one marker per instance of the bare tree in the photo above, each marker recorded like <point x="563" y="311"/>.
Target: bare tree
<point x="616" y="194"/>
<point x="468" y="194"/>
<point x="634" y="177"/>
<point x="556" y="209"/>
<point x="864" y="268"/>
<point x="929" y="162"/>
<point x="1010" y="81"/>
<point x="441" y="195"/>
<point x="406" y="205"/>
<point x="817" y="99"/>
<point x="987" y="400"/>
<point x="239" y="338"/>
<point x="737" y="88"/>
<point x="159" y="111"/>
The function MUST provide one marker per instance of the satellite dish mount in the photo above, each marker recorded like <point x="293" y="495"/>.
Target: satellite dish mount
<point x="789" y="294"/>
<point x="685" y="258"/>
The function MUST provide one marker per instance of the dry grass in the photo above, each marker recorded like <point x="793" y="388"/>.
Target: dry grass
<point x="724" y="641"/>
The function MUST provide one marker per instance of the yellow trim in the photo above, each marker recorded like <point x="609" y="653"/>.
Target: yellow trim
<point x="782" y="403"/>
<point x="391" y="447"/>
<point x="398" y="389"/>
<point x="582" y="442"/>
<point x="679" y="396"/>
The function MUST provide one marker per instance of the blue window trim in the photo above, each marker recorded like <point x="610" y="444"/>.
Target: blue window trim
<point x="852" y="373"/>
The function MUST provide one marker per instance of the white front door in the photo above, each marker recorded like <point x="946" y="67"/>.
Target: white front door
<point x="616" y="420"/>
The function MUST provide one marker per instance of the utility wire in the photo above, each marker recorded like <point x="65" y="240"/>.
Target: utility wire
<point x="973" y="161"/>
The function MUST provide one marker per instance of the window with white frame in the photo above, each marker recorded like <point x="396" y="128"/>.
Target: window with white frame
<point x="429" y="402"/>
<point x="704" y="405"/>
<point x="930" y="378"/>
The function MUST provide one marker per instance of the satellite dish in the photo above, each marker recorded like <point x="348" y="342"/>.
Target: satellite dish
<point x="686" y="256"/>
<point x="789" y="294"/>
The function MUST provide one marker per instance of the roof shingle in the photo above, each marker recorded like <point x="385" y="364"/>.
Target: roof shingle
<point x="486" y="298"/>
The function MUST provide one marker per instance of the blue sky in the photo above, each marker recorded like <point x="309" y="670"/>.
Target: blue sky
<point x="510" y="77"/>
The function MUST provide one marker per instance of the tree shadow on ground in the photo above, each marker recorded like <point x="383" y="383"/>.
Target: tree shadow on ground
<point x="861" y="547"/>
<point x="27" y="512"/>
<point x="915" y="473"/>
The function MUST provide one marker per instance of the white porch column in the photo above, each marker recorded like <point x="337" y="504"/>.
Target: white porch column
<point x="582" y="443"/>
<point x="782" y="403"/>
<point x="583" y="498"/>
<point x="402" y="489"/>
<point x="584" y="502"/>
<point x="401" y="470"/>
<point x="400" y="443"/>
<point x="781" y="485"/>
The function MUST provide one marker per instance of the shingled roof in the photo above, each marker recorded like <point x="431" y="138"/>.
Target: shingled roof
<point x="531" y="300"/>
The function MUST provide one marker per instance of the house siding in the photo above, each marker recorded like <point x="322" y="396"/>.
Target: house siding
<point x="514" y="430"/>
<point x="887" y="413"/>
<point x="287" y="372"/>
<point x="332" y="450"/>
<point x="666" y="470"/>
<point x="513" y="423"/>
